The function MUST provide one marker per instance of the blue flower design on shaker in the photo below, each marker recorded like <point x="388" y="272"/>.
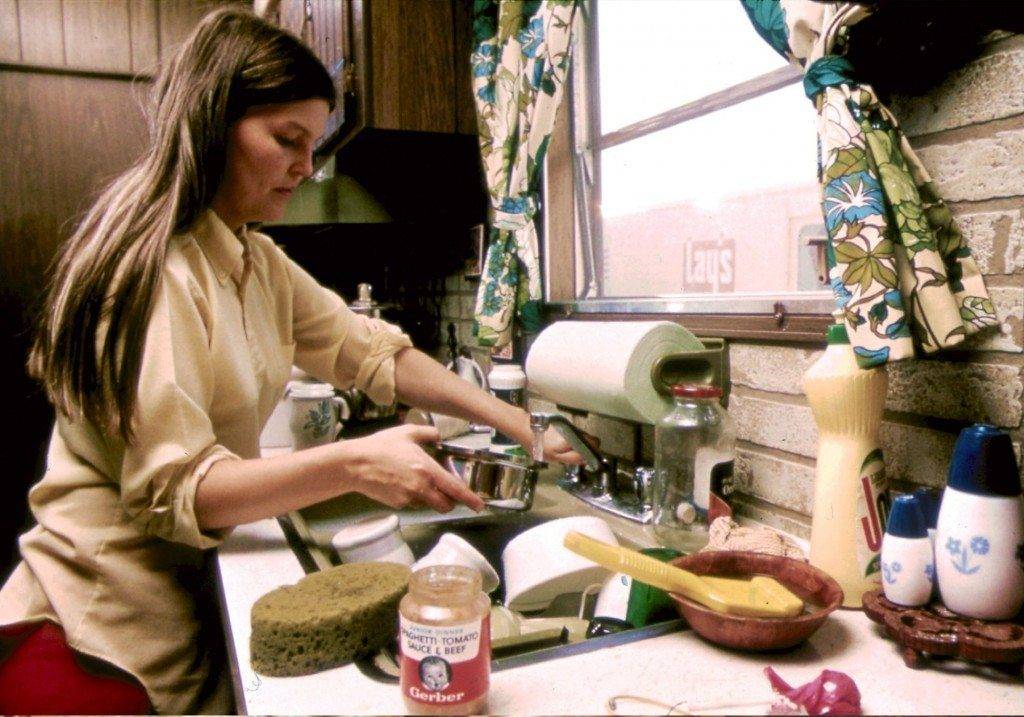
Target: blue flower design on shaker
<point x="889" y="571"/>
<point x="960" y="555"/>
<point x="929" y="572"/>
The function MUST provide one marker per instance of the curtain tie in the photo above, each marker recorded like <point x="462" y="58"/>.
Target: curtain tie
<point x="827" y="71"/>
<point x="514" y="212"/>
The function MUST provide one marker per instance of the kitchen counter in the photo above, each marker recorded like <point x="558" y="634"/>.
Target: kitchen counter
<point x="679" y="666"/>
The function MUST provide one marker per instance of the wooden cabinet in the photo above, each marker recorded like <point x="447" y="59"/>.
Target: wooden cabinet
<point x="406" y="61"/>
<point x="98" y="37"/>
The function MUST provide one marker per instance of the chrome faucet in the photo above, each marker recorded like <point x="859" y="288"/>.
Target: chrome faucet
<point x="596" y="482"/>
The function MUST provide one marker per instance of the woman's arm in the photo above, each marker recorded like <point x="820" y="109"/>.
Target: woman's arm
<point x="422" y="382"/>
<point x="389" y="466"/>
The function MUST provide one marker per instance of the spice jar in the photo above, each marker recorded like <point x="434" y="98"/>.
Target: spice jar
<point x="445" y="642"/>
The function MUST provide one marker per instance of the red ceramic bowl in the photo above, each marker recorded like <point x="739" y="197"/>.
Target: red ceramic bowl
<point x="818" y="590"/>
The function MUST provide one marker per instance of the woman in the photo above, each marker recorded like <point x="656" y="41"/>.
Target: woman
<point x="169" y="333"/>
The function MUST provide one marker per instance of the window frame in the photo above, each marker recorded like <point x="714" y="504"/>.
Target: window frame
<point x="789" y="316"/>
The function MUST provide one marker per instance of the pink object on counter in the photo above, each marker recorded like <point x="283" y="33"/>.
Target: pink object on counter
<point x="831" y="693"/>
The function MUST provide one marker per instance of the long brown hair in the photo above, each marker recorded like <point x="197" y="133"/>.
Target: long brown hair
<point x="87" y="349"/>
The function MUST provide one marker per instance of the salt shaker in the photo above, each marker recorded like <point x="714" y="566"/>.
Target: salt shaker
<point x="908" y="568"/>
<point x="979" y="539"/>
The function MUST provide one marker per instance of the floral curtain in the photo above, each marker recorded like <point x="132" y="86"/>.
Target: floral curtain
<point x="520" y="61"/>
<point x="898" y="265"/>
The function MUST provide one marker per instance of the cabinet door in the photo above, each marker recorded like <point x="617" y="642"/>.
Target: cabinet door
<point x="411" y="78"/>
<point x="320" y="24"/>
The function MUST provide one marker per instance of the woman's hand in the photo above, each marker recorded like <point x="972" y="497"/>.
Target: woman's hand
<point x="391" y="467"/>
<point x="558" y="450"/>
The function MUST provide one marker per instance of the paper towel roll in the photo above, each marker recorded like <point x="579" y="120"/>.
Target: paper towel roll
<point x="605" y="366"/>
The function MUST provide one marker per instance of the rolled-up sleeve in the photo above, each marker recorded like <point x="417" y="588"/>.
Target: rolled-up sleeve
<point x="174" y="444"/>
<point x="334" y="343"/>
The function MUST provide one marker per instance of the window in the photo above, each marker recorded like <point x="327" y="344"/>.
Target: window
<point x="682" y="174"/>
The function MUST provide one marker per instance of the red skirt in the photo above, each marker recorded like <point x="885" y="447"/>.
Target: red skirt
<point x="40" y="674"/>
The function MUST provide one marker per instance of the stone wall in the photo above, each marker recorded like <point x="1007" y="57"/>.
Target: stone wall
<point x="969" y="132"/>
<point x="457" y="308"/>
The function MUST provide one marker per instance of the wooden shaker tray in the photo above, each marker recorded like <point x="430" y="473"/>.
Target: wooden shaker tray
<point x="935" y="631"/>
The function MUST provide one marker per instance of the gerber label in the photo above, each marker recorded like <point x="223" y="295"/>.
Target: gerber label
<point x="445" y="664"/>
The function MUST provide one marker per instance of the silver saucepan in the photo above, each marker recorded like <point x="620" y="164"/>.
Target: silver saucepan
<point x="502" y="482"/>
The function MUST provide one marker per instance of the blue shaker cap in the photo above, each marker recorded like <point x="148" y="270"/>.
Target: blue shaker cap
<point x="929" y="500"/>
<point x="983" y="462"/>
<point x="905" y="518"/>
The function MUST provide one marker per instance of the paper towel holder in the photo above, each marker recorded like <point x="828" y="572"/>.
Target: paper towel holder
<point x="709" y="365"/>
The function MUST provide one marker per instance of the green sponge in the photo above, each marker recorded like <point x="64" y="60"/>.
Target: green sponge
<point x="326" y="619"/>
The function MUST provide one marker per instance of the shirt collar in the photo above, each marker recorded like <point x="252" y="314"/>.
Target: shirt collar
<point x="225" y="250"/>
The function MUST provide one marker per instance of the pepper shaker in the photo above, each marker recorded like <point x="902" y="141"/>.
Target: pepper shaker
<point x="979" y="539"/>
<point x="908" y="567"/>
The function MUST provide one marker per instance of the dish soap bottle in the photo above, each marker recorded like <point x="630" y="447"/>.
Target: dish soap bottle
<point x="851" y="498"/>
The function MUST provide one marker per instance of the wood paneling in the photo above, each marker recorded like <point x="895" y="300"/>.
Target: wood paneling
<point x="10" y="36"/>
<point x="465" y="109"/>
<point x="71" y="135"/>
<point x="177" y="18"/>
<point x="97" y="36"/>
<point x="560" y="241"/>
<point x="290" y="14"/>
<point x="411" y="46"/>
<point x="41" y="25"/>
<point x="145" y="51"/>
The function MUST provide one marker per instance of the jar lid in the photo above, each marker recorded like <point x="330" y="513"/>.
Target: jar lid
<point x="301" y="389"/>
<point x="696" y="390"/>
<point x="506" y="376"/>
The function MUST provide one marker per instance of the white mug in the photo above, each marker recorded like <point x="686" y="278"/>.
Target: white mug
<point x="453" y="550"/>
<point x="314" y="416"/>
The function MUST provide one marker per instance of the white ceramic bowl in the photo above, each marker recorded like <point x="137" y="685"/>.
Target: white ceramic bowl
<point x="539" y="568"/>
<point x="372" y="540"/>
<point x="453" y="550"/>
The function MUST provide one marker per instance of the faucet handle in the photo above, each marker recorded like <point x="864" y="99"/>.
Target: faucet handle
<point x="643" y="484"/>
<point x="539" y="422"/>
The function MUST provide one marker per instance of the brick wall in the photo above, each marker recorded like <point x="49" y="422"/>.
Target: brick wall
<point x="457" y="308"/>
<point x="969" y="132"/>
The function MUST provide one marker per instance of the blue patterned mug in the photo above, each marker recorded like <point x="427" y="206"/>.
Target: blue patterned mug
<point x="314" y="419"/>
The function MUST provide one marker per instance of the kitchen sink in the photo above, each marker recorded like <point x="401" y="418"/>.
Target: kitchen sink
<point x="310" y="530"/>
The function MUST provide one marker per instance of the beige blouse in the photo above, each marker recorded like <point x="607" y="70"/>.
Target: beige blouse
<point x="117" y="556"/>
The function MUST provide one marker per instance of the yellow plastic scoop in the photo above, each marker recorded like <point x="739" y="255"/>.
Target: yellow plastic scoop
<point x="757" y="596"/>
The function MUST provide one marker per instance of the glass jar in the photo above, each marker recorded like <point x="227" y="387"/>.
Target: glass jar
<point x="445" y="642"/>
<point x="694" y="451"/>
<point x="508" y="383"/>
